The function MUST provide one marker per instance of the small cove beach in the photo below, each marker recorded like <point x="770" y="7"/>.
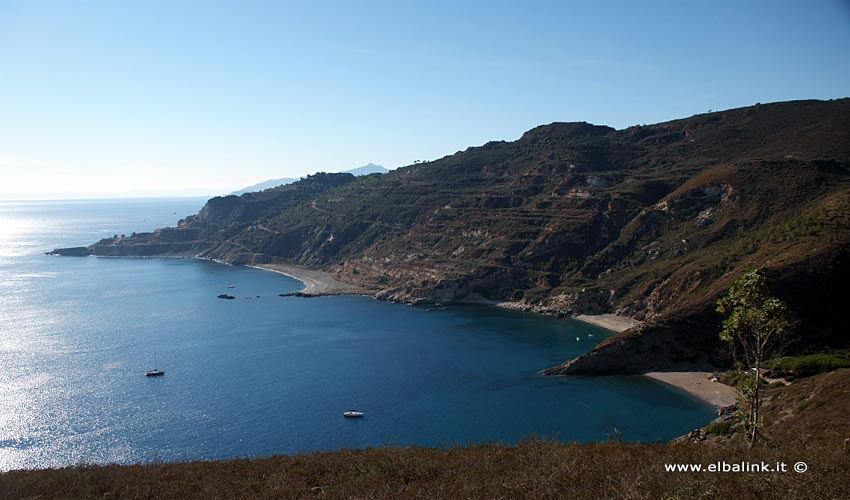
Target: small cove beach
<point x="695" y="382"/>
<point x="316" y="282"/>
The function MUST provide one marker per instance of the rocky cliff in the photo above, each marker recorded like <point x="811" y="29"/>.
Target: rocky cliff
<point x="652" y="222"/>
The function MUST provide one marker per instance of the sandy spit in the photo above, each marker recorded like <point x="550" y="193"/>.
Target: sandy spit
<point x="316" y="282"/>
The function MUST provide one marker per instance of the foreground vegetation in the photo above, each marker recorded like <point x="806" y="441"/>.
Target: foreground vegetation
<point x="805" y="422"/>
<point x="811" y="364"/>
<point x="529" y="470"/>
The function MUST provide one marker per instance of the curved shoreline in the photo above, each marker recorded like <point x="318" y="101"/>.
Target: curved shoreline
<point x="699" y="384"/>
<point x="695" y="382"/>
<point x="316" y="283"/>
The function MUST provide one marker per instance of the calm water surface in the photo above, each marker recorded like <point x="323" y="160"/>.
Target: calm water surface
<point x="262" y="374"/>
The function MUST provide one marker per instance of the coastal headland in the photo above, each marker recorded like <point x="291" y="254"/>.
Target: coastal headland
<point x="651" y="223"/>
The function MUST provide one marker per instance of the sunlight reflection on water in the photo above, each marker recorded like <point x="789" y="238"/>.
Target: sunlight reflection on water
<point x="269" y="375"/>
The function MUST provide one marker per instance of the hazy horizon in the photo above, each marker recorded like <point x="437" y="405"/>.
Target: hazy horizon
<point x="106" y="100"/>
<point x="156" y="194"/>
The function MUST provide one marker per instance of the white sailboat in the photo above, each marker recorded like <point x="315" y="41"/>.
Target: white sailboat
<point x="156" y="372"/>
<point x="353" y="413"/>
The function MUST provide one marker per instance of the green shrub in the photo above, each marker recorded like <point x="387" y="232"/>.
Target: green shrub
<point x="721" y="427"/>
<point x="732" y="377"/>
<point x="804" y="366"/>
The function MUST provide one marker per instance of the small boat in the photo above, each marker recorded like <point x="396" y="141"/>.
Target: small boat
<point x="578" y="339"/>
<point x="156" y="372"/>
<point x="231" y="286"/>
<point x="352" y="414"/>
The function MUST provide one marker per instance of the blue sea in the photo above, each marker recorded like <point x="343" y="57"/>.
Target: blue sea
<point x="262" y="374"/>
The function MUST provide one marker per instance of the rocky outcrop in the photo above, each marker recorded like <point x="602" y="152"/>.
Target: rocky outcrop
<point x="72" y="252"/>
<point x="568" y="304"/>
<point x="144" y="250"/>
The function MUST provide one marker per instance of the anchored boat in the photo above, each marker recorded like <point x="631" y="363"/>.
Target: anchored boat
<point x="156" y="372"/>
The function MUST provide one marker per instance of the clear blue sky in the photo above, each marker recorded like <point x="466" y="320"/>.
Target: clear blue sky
<point x="184" y="97"/>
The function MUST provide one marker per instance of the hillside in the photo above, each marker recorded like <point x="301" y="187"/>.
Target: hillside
<point x="534" y="469"/>
<point x="652" y="222"/>
<point x="369" y="168"/>
<point x="262" y="186"/>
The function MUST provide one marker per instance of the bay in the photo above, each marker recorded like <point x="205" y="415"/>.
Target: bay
<point x="262" y="374"/>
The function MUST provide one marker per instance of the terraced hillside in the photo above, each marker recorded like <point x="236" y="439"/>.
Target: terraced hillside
<point x="652" y="222"/>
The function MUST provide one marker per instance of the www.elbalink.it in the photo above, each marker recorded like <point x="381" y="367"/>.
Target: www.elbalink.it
<point x="773" y="467"/>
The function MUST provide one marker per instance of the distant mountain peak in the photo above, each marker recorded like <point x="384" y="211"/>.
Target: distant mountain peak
<point x="369" y="168"/>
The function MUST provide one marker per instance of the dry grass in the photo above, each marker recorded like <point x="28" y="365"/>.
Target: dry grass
<point x="531" y="470"/>
<point x="814" y="411"/>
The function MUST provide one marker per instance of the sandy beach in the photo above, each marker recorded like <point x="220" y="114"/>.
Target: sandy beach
<point x="698" y="384"/>
<point x="315" y="282"/>
<point x="610" y="321"/>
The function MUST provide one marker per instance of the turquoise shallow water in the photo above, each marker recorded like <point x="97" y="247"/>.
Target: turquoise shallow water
<point x="262" y="374"/>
